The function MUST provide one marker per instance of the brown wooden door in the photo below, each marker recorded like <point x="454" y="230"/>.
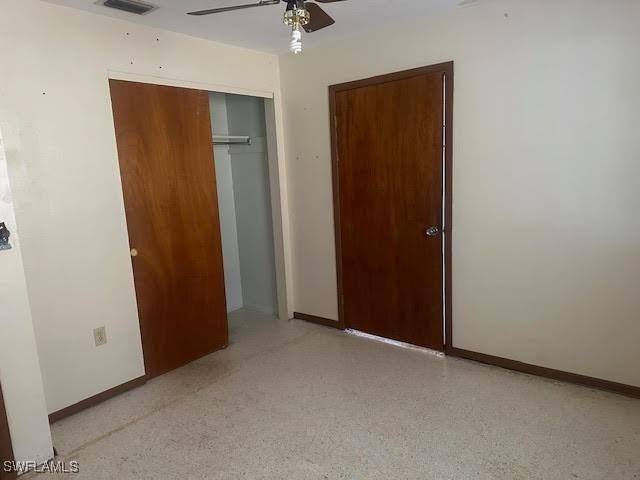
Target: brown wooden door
<point x="168" y="178"/>
<point x="389" y="148"/>
<point x="6" y="449"/>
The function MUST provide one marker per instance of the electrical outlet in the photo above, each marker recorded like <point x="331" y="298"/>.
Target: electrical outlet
<point x="100" y="336"/>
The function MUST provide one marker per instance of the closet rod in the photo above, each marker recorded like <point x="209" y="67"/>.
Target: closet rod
<point x="231" y="140"/>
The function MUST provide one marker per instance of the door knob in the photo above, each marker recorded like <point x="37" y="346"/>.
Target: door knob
<point x="134" y="252"/>
<point x="432" y="231"/>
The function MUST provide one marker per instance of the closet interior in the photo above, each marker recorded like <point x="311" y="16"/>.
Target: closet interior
<point x="244" y="197"/>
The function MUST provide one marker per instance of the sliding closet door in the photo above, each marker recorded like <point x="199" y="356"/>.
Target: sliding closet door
<point x="169" y="185"/>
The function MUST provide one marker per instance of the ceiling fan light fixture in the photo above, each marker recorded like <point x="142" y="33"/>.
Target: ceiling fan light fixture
<point x="296" y="16"/>
<point x="300" y="15"/>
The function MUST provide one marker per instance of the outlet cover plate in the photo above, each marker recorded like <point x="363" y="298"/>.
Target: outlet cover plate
<point x="100" y="336"/>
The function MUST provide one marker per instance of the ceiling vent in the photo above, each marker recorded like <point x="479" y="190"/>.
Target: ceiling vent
<point x="130" y="6"/>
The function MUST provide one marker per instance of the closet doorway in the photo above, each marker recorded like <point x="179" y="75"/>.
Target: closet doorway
<point x="200" y="246"/>
<point x="391" y="145"/>
<point x="244" y="196"/>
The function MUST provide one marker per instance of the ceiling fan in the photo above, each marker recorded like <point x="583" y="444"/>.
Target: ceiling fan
<point x="298" y="14"/>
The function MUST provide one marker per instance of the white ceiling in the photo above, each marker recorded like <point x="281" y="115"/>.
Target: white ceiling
<point x="262" y="28"/>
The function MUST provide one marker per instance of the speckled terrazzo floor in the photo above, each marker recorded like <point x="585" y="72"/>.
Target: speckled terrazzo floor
<point x="291" y="400"/>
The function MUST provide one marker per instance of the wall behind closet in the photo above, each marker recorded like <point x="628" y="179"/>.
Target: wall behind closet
<point x="546" y="248"/>
<point x="245" y="203"/>
<point x="253" y="203"/>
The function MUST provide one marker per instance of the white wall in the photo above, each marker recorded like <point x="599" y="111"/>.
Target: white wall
<point x="226" y="203"/>
<point x="546" y="175"/>
<point x="253" y="203"/>
<point x="279" y="208"/>
<point x="55" y="107"/>
<point x="19" y="367"/>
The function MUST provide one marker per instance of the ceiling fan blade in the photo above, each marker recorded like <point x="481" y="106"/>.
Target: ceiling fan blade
<point x="319" y="18"/>
<point x="262" y="3"/>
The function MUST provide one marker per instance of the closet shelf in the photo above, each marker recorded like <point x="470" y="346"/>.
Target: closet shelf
<point x="231" y="140"/>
